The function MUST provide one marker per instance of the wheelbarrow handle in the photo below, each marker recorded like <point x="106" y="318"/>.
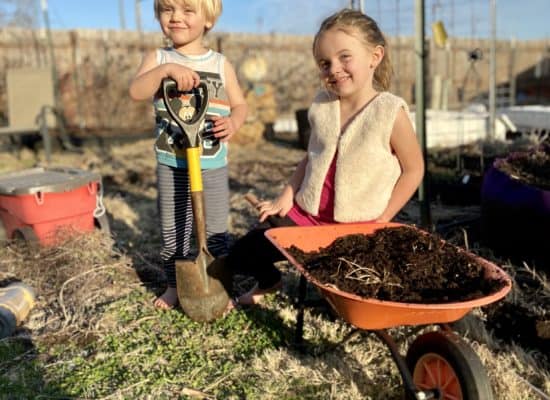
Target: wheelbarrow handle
<point x="190" y="128"/>
<point x="252" y="199"/>
<point x="273" y="220"/>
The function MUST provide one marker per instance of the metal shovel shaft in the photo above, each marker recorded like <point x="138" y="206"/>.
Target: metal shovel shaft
<point x="201" y="283"/>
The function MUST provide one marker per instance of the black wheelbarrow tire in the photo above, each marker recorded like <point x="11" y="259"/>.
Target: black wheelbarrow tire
<point x="456" y="363"/>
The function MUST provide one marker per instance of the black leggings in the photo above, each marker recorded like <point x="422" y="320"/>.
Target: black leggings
<point x="254" y="255"/>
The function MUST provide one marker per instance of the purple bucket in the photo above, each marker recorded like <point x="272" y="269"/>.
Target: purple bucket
<point x="515" y="217"/>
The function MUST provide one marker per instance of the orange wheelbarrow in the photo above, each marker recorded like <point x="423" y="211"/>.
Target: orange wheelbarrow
<point x="438" y="364"/>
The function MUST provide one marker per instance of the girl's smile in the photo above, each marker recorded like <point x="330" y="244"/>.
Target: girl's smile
<point x="346" y="64"/>
<point x="339" y="80"/>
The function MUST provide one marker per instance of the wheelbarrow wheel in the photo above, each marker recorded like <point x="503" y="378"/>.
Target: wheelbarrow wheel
<point x="444" y="363"/>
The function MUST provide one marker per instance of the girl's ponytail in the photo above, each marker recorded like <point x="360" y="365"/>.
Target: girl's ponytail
<point x="383" y="73"/>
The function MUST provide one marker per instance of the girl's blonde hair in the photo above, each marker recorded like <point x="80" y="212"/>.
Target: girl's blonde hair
<point x="211" y="9"/>
<point x="366" y="29"/>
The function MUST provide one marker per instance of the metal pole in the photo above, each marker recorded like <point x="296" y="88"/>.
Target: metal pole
<point x="493" y="71"/>
<point x="397" y="51"/>
<point x="57" y="99"/>
<point x="44" y="4"/>
<point x="512" y="72"/>
<point x="357" y="5"/>
<point x="138" y="20"/>
<point x="77" y="79"/>
<point x="121" y="14"/>
<point x="420" y="52"/>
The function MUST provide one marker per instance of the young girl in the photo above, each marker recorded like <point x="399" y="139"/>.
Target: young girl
<point x="363" y="161"/>
<point x="188" y="62"/>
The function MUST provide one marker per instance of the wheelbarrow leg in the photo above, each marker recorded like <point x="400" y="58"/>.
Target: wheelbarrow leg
<point x="299" y="333"/>
<point x="410" y="387"/>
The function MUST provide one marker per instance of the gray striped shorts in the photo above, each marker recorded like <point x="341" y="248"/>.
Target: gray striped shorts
<point x="176" y="214"/>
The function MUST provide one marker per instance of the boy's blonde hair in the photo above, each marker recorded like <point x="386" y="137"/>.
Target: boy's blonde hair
<point x="366" y="29"/>
<point x="211" y="9"/>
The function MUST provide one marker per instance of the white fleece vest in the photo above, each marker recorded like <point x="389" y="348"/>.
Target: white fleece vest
<point x="366" y="168"/>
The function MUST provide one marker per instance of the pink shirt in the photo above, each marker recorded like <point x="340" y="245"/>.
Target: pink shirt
<point x="326" y="206"/>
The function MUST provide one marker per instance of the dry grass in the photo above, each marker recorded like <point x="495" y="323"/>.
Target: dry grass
<point x="71" y="280"/>
<point x="94" y="333"/>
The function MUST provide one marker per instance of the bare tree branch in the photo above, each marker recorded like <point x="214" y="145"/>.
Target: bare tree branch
<point x="19" y="13"/>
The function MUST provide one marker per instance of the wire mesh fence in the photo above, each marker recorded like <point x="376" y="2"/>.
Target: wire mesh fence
<point x="95" y="66"/>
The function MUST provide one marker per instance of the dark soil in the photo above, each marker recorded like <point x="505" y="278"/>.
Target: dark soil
<point x="531" y="168"/>
<point x="519" y="324"/>
<point x="525" y="324"/>
<point x="398" y="264"/>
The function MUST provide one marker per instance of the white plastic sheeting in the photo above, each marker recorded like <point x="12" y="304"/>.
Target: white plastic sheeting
<point x="535" y="117"/>
<point x="455" y="128"/>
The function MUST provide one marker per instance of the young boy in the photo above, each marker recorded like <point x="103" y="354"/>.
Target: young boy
<point x="188" y="62"/>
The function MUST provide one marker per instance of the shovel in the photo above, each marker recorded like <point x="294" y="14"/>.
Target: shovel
<point x="200" y="282"/>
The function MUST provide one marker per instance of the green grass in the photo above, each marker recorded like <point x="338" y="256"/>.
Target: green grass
<point x="22" y="372"/>
<point x="147" y="352"/>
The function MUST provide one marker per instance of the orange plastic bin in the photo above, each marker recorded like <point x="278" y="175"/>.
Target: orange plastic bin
<point x="35" y="204"/>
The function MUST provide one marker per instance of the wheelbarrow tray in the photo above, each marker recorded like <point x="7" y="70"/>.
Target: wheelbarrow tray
<point x="370" y="313"/>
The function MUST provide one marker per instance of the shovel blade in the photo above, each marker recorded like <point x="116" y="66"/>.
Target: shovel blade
<point x="201" y="286"/>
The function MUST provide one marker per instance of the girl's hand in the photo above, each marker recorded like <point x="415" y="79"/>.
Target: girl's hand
<point x="185" y="77"/>
<point x="281" y="206"/>
<point x="224" y="128"/>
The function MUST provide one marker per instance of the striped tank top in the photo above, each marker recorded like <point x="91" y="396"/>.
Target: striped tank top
<point x="210" y="67"/>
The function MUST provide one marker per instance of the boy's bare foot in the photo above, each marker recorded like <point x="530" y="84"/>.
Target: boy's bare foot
<point x="167" y="300"/>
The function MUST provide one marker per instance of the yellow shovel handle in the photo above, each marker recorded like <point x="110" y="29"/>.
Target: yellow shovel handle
<point x="194" y="165"/>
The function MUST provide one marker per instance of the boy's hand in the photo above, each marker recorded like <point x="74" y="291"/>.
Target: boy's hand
<point x="185" y="77"/>
<point x="224" y="128"/>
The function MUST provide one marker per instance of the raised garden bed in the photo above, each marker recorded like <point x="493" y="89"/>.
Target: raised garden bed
<point x="456" y="174"/>
<point x="515" y="212"/>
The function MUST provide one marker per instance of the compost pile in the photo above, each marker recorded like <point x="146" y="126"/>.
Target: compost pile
<point x="398" y="264"/>
<point x="531" y="168"/>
